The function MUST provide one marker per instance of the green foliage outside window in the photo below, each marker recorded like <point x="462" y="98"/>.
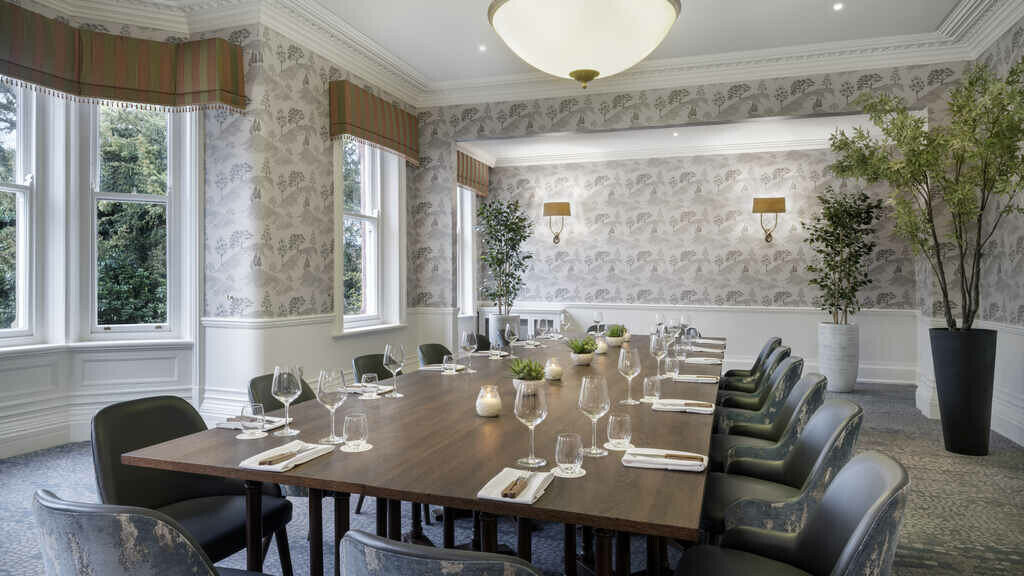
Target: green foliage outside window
<point x="353" y="234"/>
<point x="8" y="209"/>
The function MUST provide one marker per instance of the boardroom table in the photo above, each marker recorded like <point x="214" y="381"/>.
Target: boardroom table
<point x="431" y="447"/>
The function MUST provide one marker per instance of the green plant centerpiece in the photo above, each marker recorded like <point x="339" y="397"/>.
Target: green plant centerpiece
<point x="841" y="237"/>
<point x="952" y="186"/>
<point x="526" y="370"/>
<point x="504" y="227"/>
<point x="615" y="334"/>
<point x="582" y="350"/>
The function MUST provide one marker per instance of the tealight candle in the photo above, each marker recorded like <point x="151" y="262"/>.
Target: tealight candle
<point x="488" y="401"/>
<point x="602" y="346"/>
<point x="552" y="369"/>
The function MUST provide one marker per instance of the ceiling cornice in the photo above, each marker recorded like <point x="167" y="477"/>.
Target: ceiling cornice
<point x="970" y="28"/>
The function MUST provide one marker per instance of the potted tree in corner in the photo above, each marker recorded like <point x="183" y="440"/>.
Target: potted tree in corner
<point x="952" y="186"/>
<point x="840" y="236"/>
<point x="504" y="227"/>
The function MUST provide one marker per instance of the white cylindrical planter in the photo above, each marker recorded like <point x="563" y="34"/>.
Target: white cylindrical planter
<point x="839" y="355"/>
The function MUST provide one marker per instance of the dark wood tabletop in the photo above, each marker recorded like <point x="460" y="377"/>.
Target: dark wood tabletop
<point x="431" y="447"/>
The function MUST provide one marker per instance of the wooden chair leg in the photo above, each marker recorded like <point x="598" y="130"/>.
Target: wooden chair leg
<point x="283" y="552"/>
<point x="266" y="546"/>
<point x="426" y="514"/>
<point x="359" y="504"/>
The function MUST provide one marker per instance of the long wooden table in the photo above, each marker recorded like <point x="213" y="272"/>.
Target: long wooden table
<point x="431" y="447"/>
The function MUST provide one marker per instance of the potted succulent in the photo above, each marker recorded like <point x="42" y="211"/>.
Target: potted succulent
<point x="525" y="371"/>
<point x="840" y="235"/>
<point x="504" y="227"/>
<point x="582" y="350"/>
<point x="615" y="335"/>
<point x="952" y="186"/>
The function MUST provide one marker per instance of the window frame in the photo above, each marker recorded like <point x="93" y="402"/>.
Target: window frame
<point x="466" y="250"/>
<point x="23" y="189"/>
<point x="370" y="213"/>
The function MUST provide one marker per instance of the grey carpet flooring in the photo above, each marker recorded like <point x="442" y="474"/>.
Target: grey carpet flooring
<point x="965" y="514"/>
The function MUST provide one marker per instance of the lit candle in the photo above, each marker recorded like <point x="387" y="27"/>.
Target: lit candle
<point x="553" y="370"/>
<point x="602" y="346"/>
<point x="488" y="401"/>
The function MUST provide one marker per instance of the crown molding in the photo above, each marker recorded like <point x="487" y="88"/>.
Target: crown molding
<point x="159" y="15"/>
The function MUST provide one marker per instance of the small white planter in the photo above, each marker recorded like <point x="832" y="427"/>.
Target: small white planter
<point x="581" y="359"/>
<point x="839" y="355"/>
<point x="516" y="382"/>
<point x="614" y="342"/>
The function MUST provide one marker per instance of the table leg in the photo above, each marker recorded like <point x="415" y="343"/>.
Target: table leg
<point x="476" y="532"/>
<point x="663" y="554"/>
<point x="654" y="556"/>
<point x="622" y="553"/>
<point x="316" y="532"/>
<point x="253" y="526"/>
<point x="524" y="533"/>
<point x="603" y="555"/>
<point x="488" y="532"/>
<point x="395" y="519"/>
<point x="416" y="535"/>
<point x="569" y="551"/>
<point x="341" y="526"/>
<point x="588" y="545"/>
<point x="382" y="517"/>
<point x="448" y="528"/>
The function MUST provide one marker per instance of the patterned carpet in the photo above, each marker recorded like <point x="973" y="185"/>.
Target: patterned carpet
<point x="965" y="516"/>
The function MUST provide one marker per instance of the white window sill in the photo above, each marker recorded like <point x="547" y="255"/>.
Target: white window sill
<point x="95" y="346"/>
<point x="367" y="330"/>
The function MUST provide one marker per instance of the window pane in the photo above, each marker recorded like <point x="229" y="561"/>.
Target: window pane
<point x="131" y="267"/>
<point x="357" y="234"/>
<point x="352" y="158"/>
<point x="8" y="260"/>
<point x="8" y="134"/>
<point x="133" y="151"/>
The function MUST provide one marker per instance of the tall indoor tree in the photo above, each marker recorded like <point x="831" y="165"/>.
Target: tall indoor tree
<point x="504" y="227"/>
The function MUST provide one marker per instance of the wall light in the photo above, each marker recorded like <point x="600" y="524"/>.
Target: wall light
<point x="560" y="209"/>
<point x="769" y="205"/>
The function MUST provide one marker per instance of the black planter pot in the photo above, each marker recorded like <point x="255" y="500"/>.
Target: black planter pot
<point x="965" y="364"/>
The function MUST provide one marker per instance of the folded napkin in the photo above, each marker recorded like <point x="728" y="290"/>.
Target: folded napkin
<point x="656" y="458"/>
<point x="271" y="423"/>
<point x="695" y="378"/>
<point x="440" y="367"/>
<point x="678" y="405"/>
<point x="527" y="343"/>
<point x="703" y="360"/>
<point x="710" y="341"/>
<point x="306" y="453"/>
<point x="536" y="484"/>
<point x="486" y="353"/>
<point x="702" y="349"/>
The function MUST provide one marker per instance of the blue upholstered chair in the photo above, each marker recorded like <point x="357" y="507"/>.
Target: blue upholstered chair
<point x="102" y="539"/>
<point x="746" y="380"/>
<point x="364" y="554"/>
<point x="853" y="531"/>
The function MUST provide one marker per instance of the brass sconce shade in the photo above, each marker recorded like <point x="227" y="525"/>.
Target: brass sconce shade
<point x="769" y="205"/>
<point x="560" y="209"/>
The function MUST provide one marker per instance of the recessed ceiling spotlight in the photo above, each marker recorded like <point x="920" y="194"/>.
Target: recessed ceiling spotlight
<point x="837" y="6"/>
<point x="482" y="48"/>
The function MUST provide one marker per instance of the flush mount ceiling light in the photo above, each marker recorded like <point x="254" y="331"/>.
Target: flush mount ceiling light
<point x="583" y="39"/>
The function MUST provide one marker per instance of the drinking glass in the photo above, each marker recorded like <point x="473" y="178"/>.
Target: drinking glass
<point x="448" y="364"/>
<point x="531" y="409"/>
<point x="659" y="320"/>
<point x="564" y="323"/>
<point x="629" y="367"/>
<point x="355" y="431"/>
<point x="394" y="359"/>
<point x="659" y="349"/>
<point x="652" y="388"/>
<point x="620" y="430"/>
<point x="599" y="321"/>
<point x="511" y="336"/>
<point x="569" y="455"/>
<point x="369" y="381"/>
<point x="252" y="422"/>
<point x="286" y="387"/>
<point x="330" y="391"/>
<point x="468" y="345"/>
<point x="594" y="403"/>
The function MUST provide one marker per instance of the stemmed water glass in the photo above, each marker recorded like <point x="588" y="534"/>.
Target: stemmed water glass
<point x="531" y="409"/>
<point x="394" y="359"/>
<point x="564" y="323"/>
<point x="629" y="367"/>
<point x="599" y="321"/>
<point x="286" y="387"/>
<point x="511" y="336"/>
<point x="659" y="348"/>
<point x="594" y="403"/>
<point x="330" y="391"/>
<point x="468" y="345"/>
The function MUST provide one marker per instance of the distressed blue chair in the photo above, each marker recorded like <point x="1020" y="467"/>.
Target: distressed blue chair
<point x="754" y="400"/>
<point x="746" y="380"/>
<point x="853" y="531"/>
<point x="364" y="554"/>
<point x="103" y="539"/>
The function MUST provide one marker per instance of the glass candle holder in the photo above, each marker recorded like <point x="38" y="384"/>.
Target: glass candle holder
<point x="553" y="369"/>
<point x="488" y="401"/>
<point x="602" y="345"/>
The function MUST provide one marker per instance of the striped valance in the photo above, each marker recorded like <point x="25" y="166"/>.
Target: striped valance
<point x="356" y="112"/>
<point x="50" y="54"/>
<point x="473" y="174"/>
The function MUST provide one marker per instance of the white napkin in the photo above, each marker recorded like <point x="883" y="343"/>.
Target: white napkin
<point x="710" y="341"/>
<point x="703" y="360"/>
<point x="270" y="423"/>
<point x="528" y="343"/>
<point x="649" y="458"/>
<point x="536" y="484"/>
<point x="696" y="379"/>
<point x="702" y="349"/>
<point x="679" y="405"/>
<point x="486" y="353"/>
<point x="440" y="367"/>
<point x="316" y="450"/>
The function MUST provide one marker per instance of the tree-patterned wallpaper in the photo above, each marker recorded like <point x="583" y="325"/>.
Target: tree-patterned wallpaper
<point x="680" y="231"/>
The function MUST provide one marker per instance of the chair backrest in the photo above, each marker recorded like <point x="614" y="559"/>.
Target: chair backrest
<point x="826" y="444"/>
<point x="78" y="538"/>
<point x="774" y="359"/>
<point x="260" y="391"/>
<point x="784" y="378"/>
<point x="766" y="350"/>
<point x="693" y="332"/>
<point x="364" y="554"/>
<point x="432" y="353"/>
<point x="369" y="364"/>
<point x="803" y="400"/>
<point x="135" y="424"/>
<point x="483" y="343"/>
<point x="855" y="528"/>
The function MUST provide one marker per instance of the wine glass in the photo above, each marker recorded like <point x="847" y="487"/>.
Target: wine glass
<point x="599" y="321"/>
<point x="252" y="422"/>
<point x="369" y="382"/>
<point x="394" y="359"/>
<point x="330" y="391"/>
<point x="531" y="409"/>
<point x="511" y="336"/>
<point x="468" y="345"/>
<point x="564" y="322"/>
<point x="659" y="349"/>
<point x="659" y="320"/>
<point x="594" y="403"/>
<point x="629" y="367"/>
<point x="620" y="430"/>
<point x="569" y="456"/>
<point x="286" y="387"/>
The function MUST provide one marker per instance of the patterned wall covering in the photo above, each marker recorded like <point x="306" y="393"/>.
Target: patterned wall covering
<point x="680" y="231"/>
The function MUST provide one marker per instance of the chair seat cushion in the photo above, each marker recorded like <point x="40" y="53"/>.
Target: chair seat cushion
<point x="724" y="489"/>
<point x="740" y="383"/>
<point x="218" y="522"/>
<point x="721" y="443"/>
<point x="715" y="561"/>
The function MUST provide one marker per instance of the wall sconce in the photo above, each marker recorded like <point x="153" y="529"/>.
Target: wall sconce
<point x="560" y="209"/>
<point x="769" y="205"/>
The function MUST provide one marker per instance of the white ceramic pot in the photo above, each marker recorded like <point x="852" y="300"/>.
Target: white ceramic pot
<point x="516" y="382"/>
<point x="614" y="342"/>
<point x="581" y="359"/>
<point x="496" y="329"/>
<point x="839" y="355"/>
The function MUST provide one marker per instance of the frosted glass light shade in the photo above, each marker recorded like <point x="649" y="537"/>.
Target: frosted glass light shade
<point x="566" y="36"/>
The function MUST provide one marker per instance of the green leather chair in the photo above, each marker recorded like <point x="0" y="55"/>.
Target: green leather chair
<point x="260" y="392"/>
<point x="746" y="380"/>
<point x="369" y="364"/>
<point x="432" y="353"/>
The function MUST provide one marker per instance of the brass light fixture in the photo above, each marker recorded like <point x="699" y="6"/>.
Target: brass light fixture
<point x="769" y="205"/>
<point x="560" y="209"/>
